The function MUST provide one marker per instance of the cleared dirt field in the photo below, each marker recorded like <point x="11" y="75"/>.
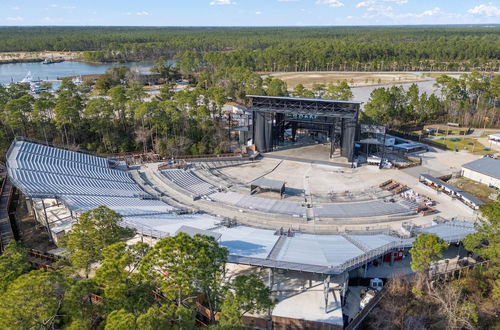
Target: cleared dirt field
<point x="7" y="57"/>
<point x="355" y="79"/>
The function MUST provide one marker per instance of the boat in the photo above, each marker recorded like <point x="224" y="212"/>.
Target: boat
<point x="77" y="80"/>
<point x="35" y="85"/>
<point x="27" y="79"/>
<point x="47" y="61"/>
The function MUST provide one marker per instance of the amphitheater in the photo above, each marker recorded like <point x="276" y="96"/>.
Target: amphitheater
<point x="330" y="221"/>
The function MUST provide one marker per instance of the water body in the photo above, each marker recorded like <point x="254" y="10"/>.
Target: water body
<point x="17" y="71"/>
<point x="362" y="94"/>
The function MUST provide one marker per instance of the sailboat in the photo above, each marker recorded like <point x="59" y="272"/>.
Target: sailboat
<point x="27" y="79"/>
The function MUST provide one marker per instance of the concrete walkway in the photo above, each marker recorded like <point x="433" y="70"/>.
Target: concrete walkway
<point x="308" y="161"/>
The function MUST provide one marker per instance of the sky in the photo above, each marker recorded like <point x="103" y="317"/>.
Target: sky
<point x="248" y="12"/>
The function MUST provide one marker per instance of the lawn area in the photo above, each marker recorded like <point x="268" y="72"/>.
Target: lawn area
<point x="477" y="189"/>
<point x="464" y="144"/>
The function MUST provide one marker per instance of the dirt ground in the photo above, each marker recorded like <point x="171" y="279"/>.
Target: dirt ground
<point x="355" y="79"/>
<point x="477" y="189"/>
<point x="7" y="57"/>
<point x="32" y="234"/>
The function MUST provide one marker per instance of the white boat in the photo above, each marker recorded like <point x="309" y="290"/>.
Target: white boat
<point x="28" y="78"/>
<point x="77" y="80"/>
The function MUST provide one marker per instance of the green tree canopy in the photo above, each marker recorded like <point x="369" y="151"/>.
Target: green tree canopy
<point x="122" y="286"/>
<point x="120" y="320"/>
<point x="426" y="249"/>
<point x="13" y="263"/>
<point x="32" y="301"/>
<point x="245" y="294"/>
<point x="95" y="230"/>
<point x="184" y="266"/>
<point x="486" y="241"/>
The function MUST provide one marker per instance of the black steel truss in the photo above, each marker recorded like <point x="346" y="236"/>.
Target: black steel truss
<point x="303" y="106"/>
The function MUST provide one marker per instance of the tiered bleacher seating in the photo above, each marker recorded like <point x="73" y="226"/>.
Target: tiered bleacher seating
<point x="124" y="206"/>
<point x="188" y="180"/>
<point x="81" y="181"/>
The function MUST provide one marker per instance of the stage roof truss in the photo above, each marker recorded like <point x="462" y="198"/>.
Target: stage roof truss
<point x="305" y="106"/>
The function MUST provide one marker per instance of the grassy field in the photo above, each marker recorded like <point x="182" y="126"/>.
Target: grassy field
<point x="471" y="145"/>
<point x="355" y="79"/>
<point x="437" y="74"/>
<point x="477" y="189"/>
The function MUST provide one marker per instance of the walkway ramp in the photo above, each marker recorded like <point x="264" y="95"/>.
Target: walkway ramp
<point x="6" y="232"/>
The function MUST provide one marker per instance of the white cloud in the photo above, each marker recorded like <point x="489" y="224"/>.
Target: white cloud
<point x="55" y="5"/>
<point x="430" y="12"/>
<point x="15" y="19"/>
<point x="369" y="3"/>
<point x="288" y="0"/>
<point x="222" y="2"/>
<point x="139" y="13"/>
<point x="15" y="8"/>
<point x="485" y="10"/>
<point x="258" y="12"/>
<point x="330" y="3"/>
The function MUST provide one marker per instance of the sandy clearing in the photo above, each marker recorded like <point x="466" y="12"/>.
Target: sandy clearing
<point x="355" y="79"/>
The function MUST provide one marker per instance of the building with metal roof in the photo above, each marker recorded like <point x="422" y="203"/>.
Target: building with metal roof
<point x="494" y="138"/>
<point x="453" y="191"/>
<point x="485" y="170"/>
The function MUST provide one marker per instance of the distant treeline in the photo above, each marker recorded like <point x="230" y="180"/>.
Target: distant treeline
<point x="277" y="49"/>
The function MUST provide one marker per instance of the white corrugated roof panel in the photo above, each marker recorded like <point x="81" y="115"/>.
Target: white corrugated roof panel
<point x="247" y="241"/>
<point x="450" y="230"/>
<point x="374" y="241"/>
<point x="170" y="223"/>
<point x="323" y="250"/>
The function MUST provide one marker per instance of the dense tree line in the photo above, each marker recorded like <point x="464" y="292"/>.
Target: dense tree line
<point x="114" y="114"/>
<point x="471" y="100"/>
<point x="276" y="49"/>
<point x="125" y="286"/>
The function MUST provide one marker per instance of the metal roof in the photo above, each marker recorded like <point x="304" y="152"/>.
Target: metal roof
<point x="305" y="106"/>
<point x="487" y="166"/>
<point x="470" y="198"/>
<point x="321" y="250"/>
<point x="265" y="183"/>
<point x="450" y="231"/>
<point x="453" y="188"/>
<point x="441" y="183"/>
<point x="409" y="145"/>
<point x="290" y="98"/>
<point x="191" y="231"/>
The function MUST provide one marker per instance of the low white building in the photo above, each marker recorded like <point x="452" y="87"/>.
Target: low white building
<point x="484" y="170"/>
<point x="494" y="138"/>
<point x="234" y="108"/>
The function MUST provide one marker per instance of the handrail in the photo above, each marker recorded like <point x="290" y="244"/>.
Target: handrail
<point x="361" y="315"/>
